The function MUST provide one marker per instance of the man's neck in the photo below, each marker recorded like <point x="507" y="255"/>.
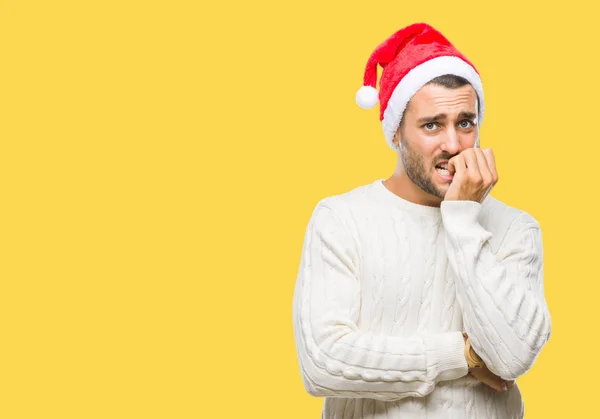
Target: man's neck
<point x="400" y="184"/>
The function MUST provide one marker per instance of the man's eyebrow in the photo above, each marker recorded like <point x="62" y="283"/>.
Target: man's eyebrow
<point x="442" y="116"/>
<point x="428" y="119"/>
<point x="467" y="115"/>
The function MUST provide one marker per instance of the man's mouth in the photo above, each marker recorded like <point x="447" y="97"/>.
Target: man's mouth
<point x="442" y="169"/>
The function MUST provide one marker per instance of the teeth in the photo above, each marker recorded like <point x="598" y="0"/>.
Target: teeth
<point x="444" y="172"/>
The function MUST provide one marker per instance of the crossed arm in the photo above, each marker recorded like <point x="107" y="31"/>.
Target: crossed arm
<point x="501" y="294"/>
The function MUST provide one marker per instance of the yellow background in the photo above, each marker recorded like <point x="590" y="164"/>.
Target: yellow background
<point x="160" y="161"/>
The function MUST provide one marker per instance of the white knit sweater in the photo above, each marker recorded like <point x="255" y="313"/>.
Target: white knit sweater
<point x="386" y="287"/>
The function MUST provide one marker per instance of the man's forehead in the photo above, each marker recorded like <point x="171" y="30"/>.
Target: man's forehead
<point x="431" y="97"/>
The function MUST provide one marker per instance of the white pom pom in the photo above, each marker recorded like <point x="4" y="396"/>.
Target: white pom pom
<point x="367" y="97"/>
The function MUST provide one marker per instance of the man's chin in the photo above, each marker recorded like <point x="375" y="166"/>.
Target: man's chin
<point x="436" y="191"/>
<point x="440" y="190"/>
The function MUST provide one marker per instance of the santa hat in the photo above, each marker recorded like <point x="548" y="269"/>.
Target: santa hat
<point x="411" y="58"/>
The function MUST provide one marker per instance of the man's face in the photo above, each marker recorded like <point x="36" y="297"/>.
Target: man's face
<point x="438" y="124"/>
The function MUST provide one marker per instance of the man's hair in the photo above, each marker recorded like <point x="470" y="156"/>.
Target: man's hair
<point x="449" y="81"/>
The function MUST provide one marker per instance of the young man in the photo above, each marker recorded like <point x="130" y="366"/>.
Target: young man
<point x="421" y="295"/>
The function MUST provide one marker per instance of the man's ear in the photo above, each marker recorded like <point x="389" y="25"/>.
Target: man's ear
<point x="397" y="136"/>
<point x="396" y="140"/>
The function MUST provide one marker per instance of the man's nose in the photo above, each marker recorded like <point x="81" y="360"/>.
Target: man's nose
<point x="451" y="142"/>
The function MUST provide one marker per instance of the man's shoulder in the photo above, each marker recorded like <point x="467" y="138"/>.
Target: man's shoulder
<point x="352" y="199"/>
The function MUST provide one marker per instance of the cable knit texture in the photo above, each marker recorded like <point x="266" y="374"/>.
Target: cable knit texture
<point x="385" y="289"/>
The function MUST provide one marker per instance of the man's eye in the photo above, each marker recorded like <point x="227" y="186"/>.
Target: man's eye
<point x="466" y="124"/>
<point x="430" y="126"/>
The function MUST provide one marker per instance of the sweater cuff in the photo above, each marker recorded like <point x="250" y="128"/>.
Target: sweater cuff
<point x="448" y="355"/>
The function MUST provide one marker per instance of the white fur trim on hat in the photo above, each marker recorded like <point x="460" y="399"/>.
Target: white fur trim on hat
<point x="417" y="78"/>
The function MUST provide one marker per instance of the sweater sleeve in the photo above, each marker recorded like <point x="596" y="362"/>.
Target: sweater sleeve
<point x="336" y="358"/>
<point x="501" y="294"/>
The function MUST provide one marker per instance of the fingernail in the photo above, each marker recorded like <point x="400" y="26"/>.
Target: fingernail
<point x="504" y="387"/>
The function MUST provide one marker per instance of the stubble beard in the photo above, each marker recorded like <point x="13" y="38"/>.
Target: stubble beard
<point x="415" y="168"/>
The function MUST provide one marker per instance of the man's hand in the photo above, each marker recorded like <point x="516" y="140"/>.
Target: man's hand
<point x="475" y="175"/>
<point x="490" y="379"/>
<point x="484" y="375"/>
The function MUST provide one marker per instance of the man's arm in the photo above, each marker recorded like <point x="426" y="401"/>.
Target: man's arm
<point x="502" y="295"/>
<point x="336" y="358"/>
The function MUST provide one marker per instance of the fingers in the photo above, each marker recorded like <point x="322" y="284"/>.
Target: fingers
<point x="456" y="166"/>
<point x="491" y="162"/>
<point x="484" y="170"/>
<point x="503" y="385"/>
<point x="472" y="166"/>
<point x="487" y="179"/>
<point x="474" y="172"/>
<point x="496" y="382"/>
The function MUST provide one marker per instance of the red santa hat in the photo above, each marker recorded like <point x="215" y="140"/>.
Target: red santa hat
<point x="410" y="58"/>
